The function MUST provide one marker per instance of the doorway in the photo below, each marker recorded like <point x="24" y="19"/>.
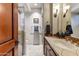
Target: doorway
<point x="31" y="22"/>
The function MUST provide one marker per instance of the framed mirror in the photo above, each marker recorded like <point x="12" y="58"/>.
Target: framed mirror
<point x="36" y="20"/>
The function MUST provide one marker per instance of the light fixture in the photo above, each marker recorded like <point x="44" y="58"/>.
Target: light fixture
<point x="56" y="9"/>
<point x="35" y="4"/>
<point x="65" y="13"/>
<point x="65" y="9"/>
<point x="55" y="14"/>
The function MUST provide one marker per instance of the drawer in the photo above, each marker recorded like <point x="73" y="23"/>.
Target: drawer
<point x="6" y="47"/>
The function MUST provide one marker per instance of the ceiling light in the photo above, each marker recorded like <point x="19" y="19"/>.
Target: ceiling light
<point x="35" y="4"/>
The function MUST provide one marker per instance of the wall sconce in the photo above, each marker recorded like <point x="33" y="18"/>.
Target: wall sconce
<point x="65" y="10"/>
<point x="56" y="9"/>
<point x="65" y="13"/>
<point x="55" y="14"/>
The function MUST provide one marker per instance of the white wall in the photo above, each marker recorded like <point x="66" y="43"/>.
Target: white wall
<point x="20" y="21"/>
<point x="29" y="25"/>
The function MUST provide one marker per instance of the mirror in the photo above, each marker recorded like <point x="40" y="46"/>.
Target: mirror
<point x="62" y="18"/>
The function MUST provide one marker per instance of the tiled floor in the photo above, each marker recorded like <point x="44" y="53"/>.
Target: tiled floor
<point x="31" y="50"/>
<point x="19" y="49"/>
<point x="34" y="50"/>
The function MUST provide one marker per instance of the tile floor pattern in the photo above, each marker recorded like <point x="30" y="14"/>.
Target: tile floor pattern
<point x="34" y="50"/>
<point x="19" y="49"/>
<point x="30" y="50"/>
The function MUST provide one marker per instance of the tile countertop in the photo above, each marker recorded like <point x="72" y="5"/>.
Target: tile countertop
<point x="63" y="47"/>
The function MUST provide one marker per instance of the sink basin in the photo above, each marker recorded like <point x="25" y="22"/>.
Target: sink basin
<point x="63" y="44"/>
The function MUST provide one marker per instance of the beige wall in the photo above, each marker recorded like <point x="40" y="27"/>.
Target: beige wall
<point x="46" y="14"/>
<point x="54" y="22"/>
<point x="57" y="21"/>
<point x="65" y="20"/>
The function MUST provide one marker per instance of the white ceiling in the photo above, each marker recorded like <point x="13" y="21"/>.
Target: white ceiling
<point x="39" y="5"/>
<point x="29" y="7"/>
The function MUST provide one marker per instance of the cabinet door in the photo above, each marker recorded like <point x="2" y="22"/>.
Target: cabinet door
<point x="5" y="22"/>
<point x="5" y="48"/>
<point x="7" y="29"/>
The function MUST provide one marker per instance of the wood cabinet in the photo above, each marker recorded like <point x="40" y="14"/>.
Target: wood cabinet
<point x="6" y="47"/>
<point x="15" y="26"/>
<point x="48" y="50"/>
<point x="8" y="29"/>
<point x="5" y="22"/>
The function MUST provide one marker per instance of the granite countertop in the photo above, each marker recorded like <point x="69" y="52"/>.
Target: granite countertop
<point x="74" y="36"/>
<point x="63" y="47"/>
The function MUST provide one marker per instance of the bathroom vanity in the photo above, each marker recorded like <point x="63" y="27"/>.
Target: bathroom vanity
<point x="48" y="49"/>
<point x="54" y="46"/>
